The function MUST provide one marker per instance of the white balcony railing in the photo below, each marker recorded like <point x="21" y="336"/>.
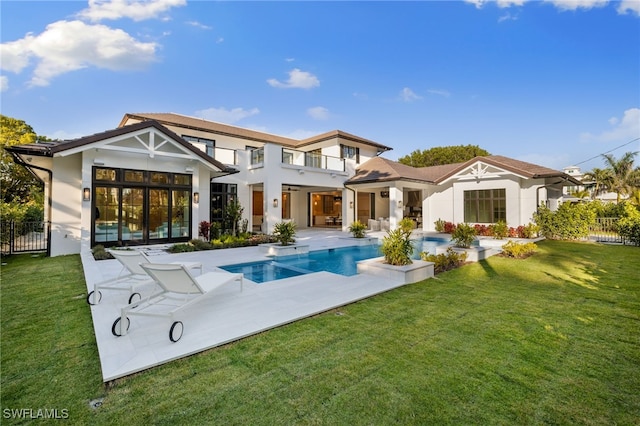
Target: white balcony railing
<point x="312" y="159"/>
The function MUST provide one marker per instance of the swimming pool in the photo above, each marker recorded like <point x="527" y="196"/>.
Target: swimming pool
<point x="341" y="261"/>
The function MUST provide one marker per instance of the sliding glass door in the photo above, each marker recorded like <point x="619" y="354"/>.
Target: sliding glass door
<point x="156" y="209"/>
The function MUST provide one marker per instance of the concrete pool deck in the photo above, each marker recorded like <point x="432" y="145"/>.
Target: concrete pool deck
<point x="226" y="316"/>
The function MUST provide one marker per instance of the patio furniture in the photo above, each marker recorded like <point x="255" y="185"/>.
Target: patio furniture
<point x="374" y="225"/>
<point x="131" y="275"/>
<point x="178" y="290"/>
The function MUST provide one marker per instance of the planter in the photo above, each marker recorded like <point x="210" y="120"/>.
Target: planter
<point x="419" y="270"/>
<point x="274" y="249"/>
<point x="474" y="253"/>
<point x="366" y="241"/>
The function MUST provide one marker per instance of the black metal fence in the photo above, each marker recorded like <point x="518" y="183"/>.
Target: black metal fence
<point x="24" y="237"/>
<point x="606" y="230"/>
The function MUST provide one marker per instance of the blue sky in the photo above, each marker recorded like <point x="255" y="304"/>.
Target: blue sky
<point x="551" y="82"/>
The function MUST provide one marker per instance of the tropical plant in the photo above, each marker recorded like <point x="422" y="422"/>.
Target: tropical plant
<point x="601" y="179"/>
<point x="463" y="235"/>
<point x="439" y="225"/>
<point x="357" y="228"/>
<point x="233" y="214"/>
<point x="284" y="232"/>
<point x="204" y="229"/>
<point x="445" y="261"/>
<point x="397" y="247"/>
<point x="623" y="176"/>
<point x="500" y="230"/>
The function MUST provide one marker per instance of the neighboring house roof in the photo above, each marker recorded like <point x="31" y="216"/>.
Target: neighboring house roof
<point x="383" y="170"/>
<point x="228" y="130"/>
<point x="50" y="149"/>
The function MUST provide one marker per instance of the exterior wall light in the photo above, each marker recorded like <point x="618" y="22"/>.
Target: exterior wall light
<point x="399" y="204"/>
<point x="86" y="194"/>
<point x="196" y="197"/>
<point x="350" y="204"/>
<point x="275" y="202"/>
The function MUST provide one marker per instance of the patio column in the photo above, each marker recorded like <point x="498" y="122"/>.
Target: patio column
<point x="396" y="206"/>
<point x="272" y="187"/>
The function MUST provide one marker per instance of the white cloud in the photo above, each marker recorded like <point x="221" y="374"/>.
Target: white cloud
<point x="136" y="10"/>
<point x="632" y="6"/>
<point x="297" y="80"/>
<point x="197" y="24"/>
<point x="407" y="95"/>
<point x="499" y="3"/>
<point x="4" y="83"/>
<point x="508" y="17"/>
<point x="577" y="4"/>
<point x="622" y="130"/>
<point x="439" y="92"/>
<point x="224" y="115"/>
<point x="219" y="40"/>
<point x="290" y="59"/>
<point x="67" y="46"/>
<point x="318" y="113"/>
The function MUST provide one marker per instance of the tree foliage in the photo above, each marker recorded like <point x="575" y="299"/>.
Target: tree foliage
<point x="619" y="176"/>
<point x="16" y="182"/>
<point x="438" y="156"/>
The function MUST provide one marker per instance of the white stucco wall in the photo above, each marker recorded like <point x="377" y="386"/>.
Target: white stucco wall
<point x="66" y="206"/>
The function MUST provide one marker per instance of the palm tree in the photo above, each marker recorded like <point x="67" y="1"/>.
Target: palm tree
<point x="623" y="174"/>
<point x="601" y="179"/>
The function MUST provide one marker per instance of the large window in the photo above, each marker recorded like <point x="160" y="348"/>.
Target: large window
<point x="485" y="206"/>
<point x="221" y="195"/>
<point x="350" y="153"/>
<point x="139" y="206"/>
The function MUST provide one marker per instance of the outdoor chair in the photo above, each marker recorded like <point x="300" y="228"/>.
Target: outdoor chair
<point x="130" y="277"/>
<point x="178" y="290"/>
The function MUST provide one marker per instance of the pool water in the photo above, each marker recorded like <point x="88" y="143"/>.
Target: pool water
<point x="341" y="261"/>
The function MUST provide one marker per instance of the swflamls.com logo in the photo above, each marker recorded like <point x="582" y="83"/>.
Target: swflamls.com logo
<point x="35" y="413"/>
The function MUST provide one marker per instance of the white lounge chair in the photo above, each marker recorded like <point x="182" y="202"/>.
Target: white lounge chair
<point x="131" y="275"/>
<point x="179" y="290"/>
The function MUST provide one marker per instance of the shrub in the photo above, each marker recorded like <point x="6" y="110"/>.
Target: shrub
<point x="203" y="229"/>
<point x="284" y="232"/>
<point x="445" y="261"/>
<point x="529" y="231"/>
<point x="500" y="230"/>
<point x="200" y="245"/>
<point x="463" y="235"/>
<point x="357" y="228"/>
<point x="483" y="230"/>
<point x="629" y="224"/>
<point x="439" y="225"/>
<point x="100" y="253"/>
<point x="181" y="248"/>
<point x="569" y="222"/>
<point x="397" y="247"/>
<point x="449" y="227"/>
<point x="216" y="228"/>
<point x="519" y="250"/>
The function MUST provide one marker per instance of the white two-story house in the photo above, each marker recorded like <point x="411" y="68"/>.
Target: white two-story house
<point x="157" y="176"/>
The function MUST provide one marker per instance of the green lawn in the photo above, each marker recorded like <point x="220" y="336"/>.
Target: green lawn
<point x="553" y="339"/>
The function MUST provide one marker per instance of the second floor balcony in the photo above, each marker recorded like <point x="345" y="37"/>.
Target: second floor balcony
<point x="312" y="159"/>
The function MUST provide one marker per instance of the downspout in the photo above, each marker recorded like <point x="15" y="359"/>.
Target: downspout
<point x="20" y="161"/>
